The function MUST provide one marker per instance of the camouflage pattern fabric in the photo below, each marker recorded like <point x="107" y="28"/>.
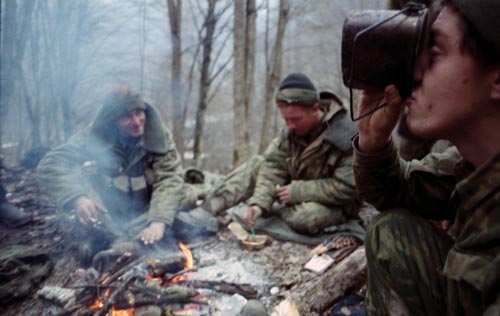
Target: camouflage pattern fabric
<point x="311" y="217"/>
<point x="316" y="168"/>
<point x="320" y="174"/>
<point x="199" y="184"/>
<point x="138" y="181"/>
<point x="402" y="247"/>
<point x="235" y="188"/>
<point x="441" y="186"/>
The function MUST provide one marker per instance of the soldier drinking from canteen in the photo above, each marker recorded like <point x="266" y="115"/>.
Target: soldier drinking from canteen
<point x="414" y="268"/>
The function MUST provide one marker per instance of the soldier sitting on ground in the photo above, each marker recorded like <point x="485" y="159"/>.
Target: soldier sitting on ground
<point x="305" y="175"/>
<point x="122" y="178"/>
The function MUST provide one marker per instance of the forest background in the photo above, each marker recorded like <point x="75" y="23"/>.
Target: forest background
<point x="210" y="66"/>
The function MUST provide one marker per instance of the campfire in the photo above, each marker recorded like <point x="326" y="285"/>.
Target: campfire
<point x="136" y="283"/>
<point x="150" y="286"/>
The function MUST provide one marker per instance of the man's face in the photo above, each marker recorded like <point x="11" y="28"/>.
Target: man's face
<point x="299" y="119"/>
<point x="451" y="88"/>
<point x="132" y="123"/>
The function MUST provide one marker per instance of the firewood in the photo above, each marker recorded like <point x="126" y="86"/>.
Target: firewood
<point x="321" y="293"/>
<point x="171" y="276"/>
<point x="165" y="295"/>
<point x="109" y="301"/>
<point x="158" y="267"/>
<point x="126" y="262"/>
<point x="244" y="290"/>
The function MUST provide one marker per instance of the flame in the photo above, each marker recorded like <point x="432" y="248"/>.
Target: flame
<point x="115" y="312"/>
<point x="157" y="279"/>
<point x="130" y="312"/>
<point x="123" y="312"/>
<point x="187" y="265"/>
<point x="188" y="255"/>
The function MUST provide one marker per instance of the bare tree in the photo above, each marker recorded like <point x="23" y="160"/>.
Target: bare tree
<point x="273" y="74"/>
<point x="16" y="24"/>
<point x="244" y="63"/>
<point x="176" y="93"/>
<point x="143" y="38"/>
<point x="207" y="74"/>
<point x="209" y="23"/>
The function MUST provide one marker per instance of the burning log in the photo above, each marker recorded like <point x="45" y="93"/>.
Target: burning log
<point x="157" y="268"/>
<point x="108" y="302"/>
<point x="244" y="290"/>
<point x="138" y="297"/>
<point x="122" y="266"/>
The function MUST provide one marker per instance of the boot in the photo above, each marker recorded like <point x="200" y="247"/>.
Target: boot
<point x="214" y="204"/>
<point x="11" y="216"/>
<point x="195" y="223"/>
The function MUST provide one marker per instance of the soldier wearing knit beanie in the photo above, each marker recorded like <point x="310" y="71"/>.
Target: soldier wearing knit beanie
<point x="297" y="88"/>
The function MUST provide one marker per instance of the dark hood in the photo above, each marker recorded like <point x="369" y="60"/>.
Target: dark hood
<point x="104" y="131"/>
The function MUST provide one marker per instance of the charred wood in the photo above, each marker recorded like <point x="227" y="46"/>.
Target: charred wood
<point x="170" y="295"/>
<point x="159" y="267"/>
<point x="244" y="290"/>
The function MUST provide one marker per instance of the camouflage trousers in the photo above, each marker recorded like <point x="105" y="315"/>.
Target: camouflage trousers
<point x="235" y="188"/>
<point x="405" y="255"/>
<point x="307" y="217"/>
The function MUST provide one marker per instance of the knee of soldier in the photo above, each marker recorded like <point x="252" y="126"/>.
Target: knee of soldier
<point x="307" y="228"/>
<point x="311" y="217"/>
<point x="384" y="234"/>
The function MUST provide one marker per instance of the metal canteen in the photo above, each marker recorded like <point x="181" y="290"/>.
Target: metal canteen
<point x="380" y="47"/>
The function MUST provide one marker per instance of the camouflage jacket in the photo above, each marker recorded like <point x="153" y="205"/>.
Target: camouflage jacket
<point x="444" y="186"/>
<point x="319" y="170"/>
<point x="142" y="179"/>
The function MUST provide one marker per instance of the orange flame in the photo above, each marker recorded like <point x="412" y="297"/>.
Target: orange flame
<point x="123" y="312"/>
<point x="130" y="312"/>
<point x="115" y="312"/>
<point x="189" y="257"/>
<point x="187" y="265"/>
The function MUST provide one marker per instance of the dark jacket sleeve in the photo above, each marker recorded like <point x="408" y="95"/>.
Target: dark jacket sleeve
<point x="423" y="186"/>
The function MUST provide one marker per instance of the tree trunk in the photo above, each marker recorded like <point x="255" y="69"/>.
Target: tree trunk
<point x="244" y="64"/>
<point x="175" y="19"/>
<point x="143" y="40"/>
<point x="250" y="39"/>
<point x="210" y="21"/>
<point x="240" y="119"/>
<point x="273" y="75"/>
<point x="16" y="24"/>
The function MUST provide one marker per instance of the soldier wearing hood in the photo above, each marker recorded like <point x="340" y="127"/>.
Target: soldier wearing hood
<point x="122" y="177"/>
